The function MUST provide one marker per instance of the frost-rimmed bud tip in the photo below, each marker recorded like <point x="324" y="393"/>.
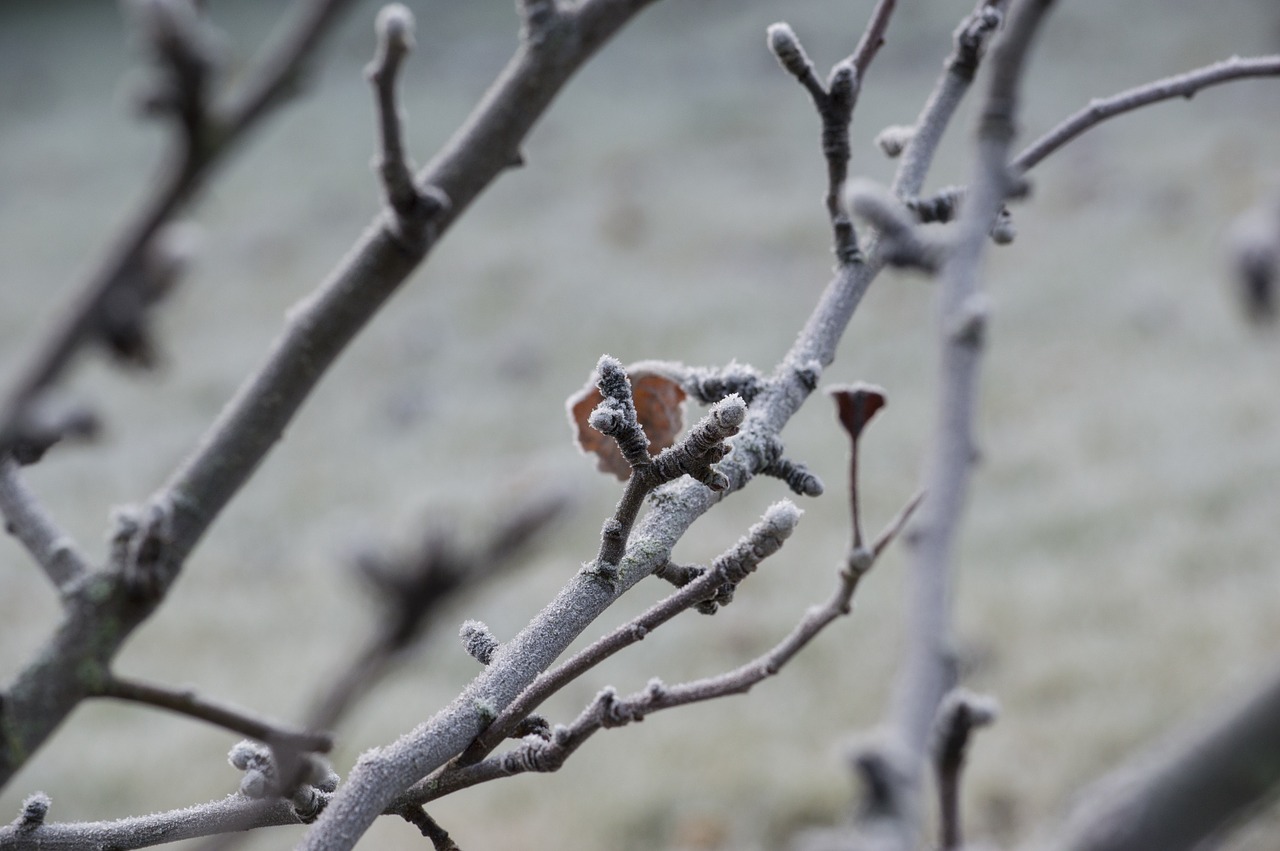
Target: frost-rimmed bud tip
<point x="394" y="25"/>
<point x="478" y="640"/>
<point x="34" y="810"/>
<point x="784" y="45"/>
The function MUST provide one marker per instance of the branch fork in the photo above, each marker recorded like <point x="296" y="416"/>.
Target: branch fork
<point x="410" y="207"/>
<point x="696" y="454"/>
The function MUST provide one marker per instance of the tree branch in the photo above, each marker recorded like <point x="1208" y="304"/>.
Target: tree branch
<point x="960" y="714"/>
<point x="196" y="150"/>
<point x="1192" y="789"/>
<point x="187" y="702"/>
<point x="608" y="710"/>
<point x="761" y="541"/>
<point x="835" y="103"/>
<point x="225" y="815"/>
<point x="25" y="518"/>
<point x="970" y="38"/>
<point x="1181" y="85"/>
<point x="927" y="672"/>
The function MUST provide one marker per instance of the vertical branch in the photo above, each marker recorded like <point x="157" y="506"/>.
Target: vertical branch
<point x="959" y="716"/>
<point x="927" y="673"/>
<point x="835" y="103"/>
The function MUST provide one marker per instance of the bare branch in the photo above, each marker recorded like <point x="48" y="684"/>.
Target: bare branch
<point x="902" y="244"/>
<point x="970" y="38"/>
<point x="429" y="827"/>
<point x="187" y="702"/>
<point x="608" y="710"/>
<point x="1181" y="85"/>
<point x="696" y="454"/>
<point x="835" y="103"/>
<point x="411" y="208"/>
<point x="762" y="540"/>
<point x="190" y="161"/>
<point x="959" y="715"/>
<point x="25" y="518"/>
<point x="225" y="815"/>
<point x="927" y="672"/>
<point x="1192" y="788"/>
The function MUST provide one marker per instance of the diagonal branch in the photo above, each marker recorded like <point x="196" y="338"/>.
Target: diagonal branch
<point x="1191" y="790"/>
<point x="761" y="541"/>
<point x="1181" y="85"/>
<point x="25" y="518"/>
<point x="187" y="702"/>
<point x="970" y="38"/>
<point x="608" y="710"/>
<point x="183" y="174"/>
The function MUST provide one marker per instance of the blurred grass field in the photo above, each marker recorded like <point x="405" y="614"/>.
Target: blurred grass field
<point x="1119" y="573"/>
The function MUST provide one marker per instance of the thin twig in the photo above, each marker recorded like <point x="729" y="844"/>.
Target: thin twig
<point x="1181" y="85"/>
<point x="26" y="519"/>
<point x="696" y="454"/>
<point x="186" y="702"/>
<point x="835" y="103"/>
<point x="970" y="40"/>
<point x="183" y="174"/>
<point x="411" y="208"/>
<point x="609" y="710"/>
<point x="224" y="815"/>
<point x="960" y="714"/>
<point x="762" y="540"/>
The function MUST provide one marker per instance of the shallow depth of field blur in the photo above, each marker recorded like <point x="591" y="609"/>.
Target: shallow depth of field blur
<point x="1118" y="568"/>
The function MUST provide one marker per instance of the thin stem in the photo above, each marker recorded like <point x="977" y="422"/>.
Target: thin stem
<point x="959" y="716"/>
<point x="608" y="710"/>
<point x="186" y="702"/>
<point x="26" y="519"/>
<point x="761" y="541"/>
<point x="225" y="815"/>
<point x="181" y="178"/>
<point x="1181" y="85"/>
<point x="970" y="39"/>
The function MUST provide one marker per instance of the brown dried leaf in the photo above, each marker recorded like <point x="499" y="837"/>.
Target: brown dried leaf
<point x="659" y="408"/>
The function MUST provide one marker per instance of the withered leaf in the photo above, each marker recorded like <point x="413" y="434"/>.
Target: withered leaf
<point x="659" y="408"/>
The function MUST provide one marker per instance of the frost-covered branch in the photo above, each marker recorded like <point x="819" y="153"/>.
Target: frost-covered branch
<point x="106" y="611"/>
<point x="696" y="455"/>
<point x="927" y="672"/>
<point x="26" y="519"/>
<point x="225" y="815"/>
<point x="835" y="102"/>
<point x="712" y="586"/>
<point x="1181" y="85"/>
<point x="918" y="143"/>
<point x="548" y="752"/>
<point x="411" y="208"/>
